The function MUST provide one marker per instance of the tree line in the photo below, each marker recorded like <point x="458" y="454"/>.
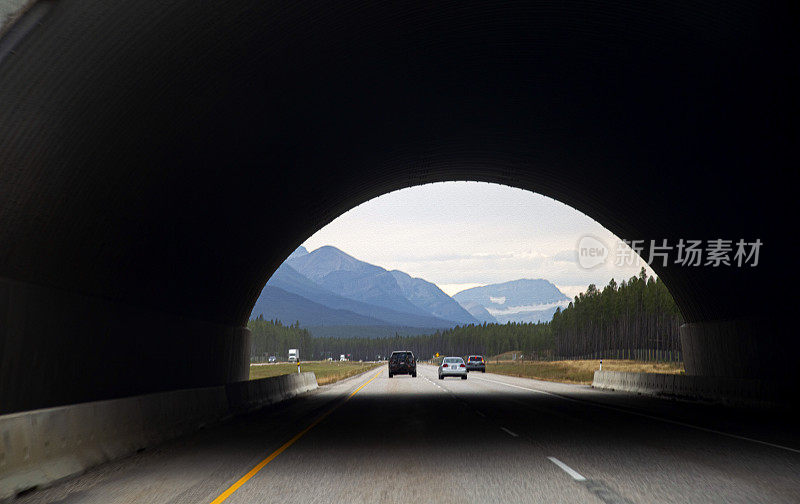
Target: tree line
<point x="271" y="337"/>
<point x="637" y="318"/>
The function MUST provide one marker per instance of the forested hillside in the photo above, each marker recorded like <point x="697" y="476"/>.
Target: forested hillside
<point x="271" y="337"/>
<point x="620" y="321"/>
<point x="636" y="318"/>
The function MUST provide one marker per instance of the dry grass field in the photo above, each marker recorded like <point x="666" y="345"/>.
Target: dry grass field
<point x="326" y="371"/>
<point x="577" y="371"/>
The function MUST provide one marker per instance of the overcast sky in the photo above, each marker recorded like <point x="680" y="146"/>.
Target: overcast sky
<point x="464" y="234"/>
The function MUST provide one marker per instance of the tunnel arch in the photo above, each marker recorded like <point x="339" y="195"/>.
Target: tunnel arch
<point x="332" y="214"/>
<point x="158" y="160"/>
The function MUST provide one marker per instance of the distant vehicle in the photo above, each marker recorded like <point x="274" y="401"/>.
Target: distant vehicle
<point x="402" y="362"/>
<point x="342" y="358"/>
<point x="294" y="355"/>
<point x="272" y="358"/>
<point x="453" y="366"/>
<point x="476" y="363"/>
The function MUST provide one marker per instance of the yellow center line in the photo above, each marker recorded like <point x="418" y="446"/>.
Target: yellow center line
<point x="252" y="472"/>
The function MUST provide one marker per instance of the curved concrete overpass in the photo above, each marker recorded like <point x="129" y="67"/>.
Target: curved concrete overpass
<point x="159" y="159"/>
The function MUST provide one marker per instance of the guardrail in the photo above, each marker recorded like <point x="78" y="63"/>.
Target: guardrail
<point x="40" y="447"/>
<point x="738" y="392"/>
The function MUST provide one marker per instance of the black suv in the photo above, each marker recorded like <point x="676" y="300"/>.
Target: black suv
<point x="402" y="362"/>
<point x="476" y="363"/>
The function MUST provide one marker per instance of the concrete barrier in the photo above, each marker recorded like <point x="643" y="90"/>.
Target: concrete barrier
<point x="249" y="395"/>
<point x="40" y="447"/>
<point x="733" y="391"/>
<point x="10" y="11"/>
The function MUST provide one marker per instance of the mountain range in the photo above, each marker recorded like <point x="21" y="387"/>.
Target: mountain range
<point x="329" y="291"/>
<point x="525" y="300"/>
<point x="291" y="281"/>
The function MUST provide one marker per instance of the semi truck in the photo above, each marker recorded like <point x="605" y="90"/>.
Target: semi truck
<point x="294" y="355"/>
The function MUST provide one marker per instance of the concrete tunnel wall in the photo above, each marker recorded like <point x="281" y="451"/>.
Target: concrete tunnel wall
<point x="159" y="159"/>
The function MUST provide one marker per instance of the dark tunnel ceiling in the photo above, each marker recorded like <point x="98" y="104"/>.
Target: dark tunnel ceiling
<point x="171" y="154"/>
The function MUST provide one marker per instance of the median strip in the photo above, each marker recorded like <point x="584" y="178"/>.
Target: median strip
<point x="244" y="479"/>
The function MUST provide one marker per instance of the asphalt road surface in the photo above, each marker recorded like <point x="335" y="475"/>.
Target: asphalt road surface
<point x="489" y="438"/>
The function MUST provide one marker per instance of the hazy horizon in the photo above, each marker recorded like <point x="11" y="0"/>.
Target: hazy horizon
<point x="460" y="235"/>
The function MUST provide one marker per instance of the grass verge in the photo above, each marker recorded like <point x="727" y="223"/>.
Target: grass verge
<point x="577" y="371"/>
<point x="326" y="371"/>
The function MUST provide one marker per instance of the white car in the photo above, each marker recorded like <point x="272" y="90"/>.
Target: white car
<point x="453" y="366"/>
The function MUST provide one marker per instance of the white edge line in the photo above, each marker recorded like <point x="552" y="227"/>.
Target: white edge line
<point x="509" y="432"/>
<point x="567" y="469"/>
<point x="645" y="415"/>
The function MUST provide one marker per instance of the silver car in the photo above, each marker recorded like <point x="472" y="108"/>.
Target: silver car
<point x="453" y="366"/>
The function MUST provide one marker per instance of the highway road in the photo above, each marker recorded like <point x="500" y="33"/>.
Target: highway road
<point x="490" y="438"/>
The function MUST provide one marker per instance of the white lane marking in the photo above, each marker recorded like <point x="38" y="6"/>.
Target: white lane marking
<point x="480" y="414"/>
<point x="523" y="388"/>
<point x="567" y="469"/>
<point x="652" y="417"/>
<point x="509" y="432"/>
<point x="434" y="383"/>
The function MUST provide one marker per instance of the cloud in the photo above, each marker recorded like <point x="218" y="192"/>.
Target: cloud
<point x="464" y="234"/>
<point x="449" y="257"/>
<point x="526" y="308"/>
<point x="454" y="288"/>
<point x="567" y="256"/>
<point x="572" y="290"/>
